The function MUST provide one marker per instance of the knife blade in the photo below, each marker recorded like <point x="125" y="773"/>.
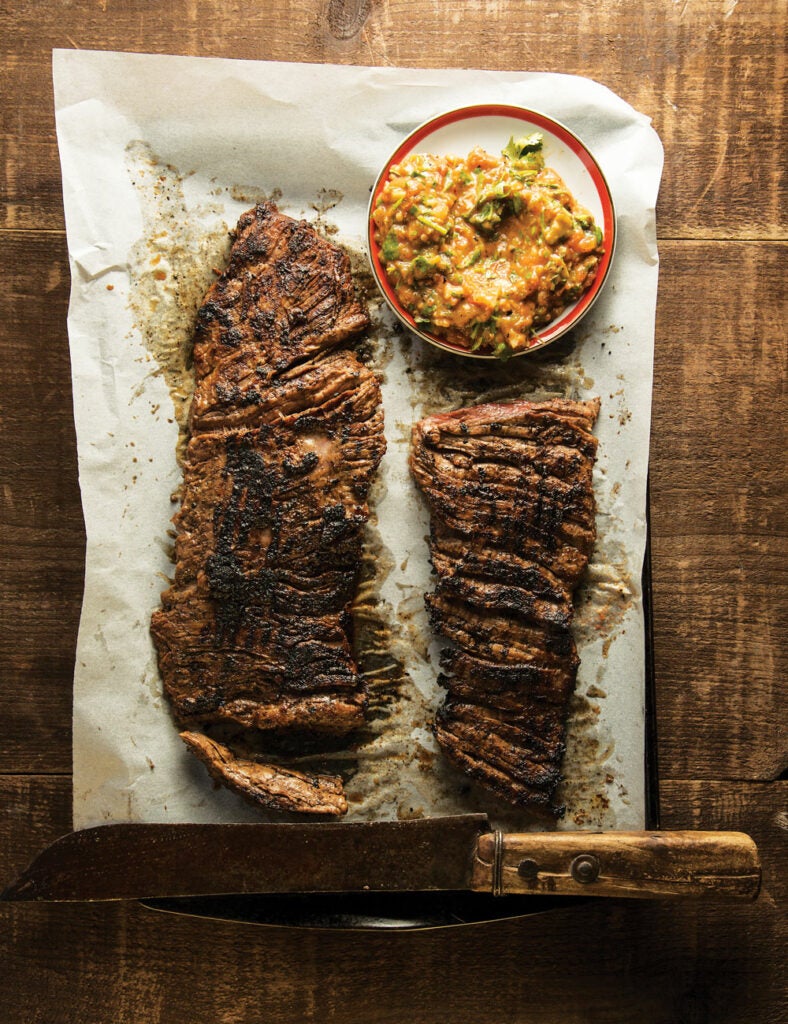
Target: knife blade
<point x="132" y="861"/>
<point x="463" y="852"/>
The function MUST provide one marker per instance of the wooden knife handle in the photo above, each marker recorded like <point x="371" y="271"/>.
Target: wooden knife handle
<point x="641" y="865"/>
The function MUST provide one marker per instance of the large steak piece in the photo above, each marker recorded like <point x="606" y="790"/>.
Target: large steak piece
<point x="286" y="432"/>
<point x="512" y="526"/>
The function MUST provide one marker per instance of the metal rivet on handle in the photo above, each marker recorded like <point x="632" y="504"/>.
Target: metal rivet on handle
<point x="585" y="868"/>
<point x="527" y="869"/>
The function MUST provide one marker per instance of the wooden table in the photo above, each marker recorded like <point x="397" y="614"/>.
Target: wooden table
<point x="709" y="73"/>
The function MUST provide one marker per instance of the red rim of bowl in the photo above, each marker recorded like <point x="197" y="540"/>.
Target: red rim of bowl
<point x="572" y="314"/>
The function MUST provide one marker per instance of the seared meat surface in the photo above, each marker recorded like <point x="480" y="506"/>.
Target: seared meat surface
<point x="286" y="432"/>
<point x="512" y="527"/>
<point x="262" y="784"/>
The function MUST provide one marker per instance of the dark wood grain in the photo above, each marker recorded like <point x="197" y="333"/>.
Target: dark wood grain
<point x="606" y="962"/>
<point x="41" y="537"/>
<point x="723" y="181"/>
<point x="718" y="515"/>
<point x="710" y="76"/>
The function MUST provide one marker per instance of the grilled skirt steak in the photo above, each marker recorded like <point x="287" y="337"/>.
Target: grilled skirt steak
<point x="286" y="432"/>
<point x="512" y="527"/>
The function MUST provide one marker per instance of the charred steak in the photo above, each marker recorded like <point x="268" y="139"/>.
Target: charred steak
<point x="512" y="527"/>
<point x="286" y="432"/>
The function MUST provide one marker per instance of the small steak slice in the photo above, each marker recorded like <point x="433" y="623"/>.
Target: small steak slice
<point x="268" y="785"/>
<point x="512" y="527"/>
<point x="286" y="433"/>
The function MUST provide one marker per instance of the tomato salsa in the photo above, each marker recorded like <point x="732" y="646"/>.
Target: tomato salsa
<point x="483" y="251"/>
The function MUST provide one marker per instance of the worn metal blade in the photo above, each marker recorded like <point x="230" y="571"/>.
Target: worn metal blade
<point x="137" y="861"/>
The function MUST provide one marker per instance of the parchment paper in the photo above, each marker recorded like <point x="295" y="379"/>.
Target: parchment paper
<point x="159" y="156"/>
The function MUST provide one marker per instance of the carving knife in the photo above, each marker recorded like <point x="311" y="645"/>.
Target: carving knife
<point x="458" y="853"/>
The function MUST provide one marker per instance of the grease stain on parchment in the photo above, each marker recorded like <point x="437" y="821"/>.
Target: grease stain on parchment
<point x="170" y="269"/>
<point x="174" y="262"/>
<point x="381" y="644"/>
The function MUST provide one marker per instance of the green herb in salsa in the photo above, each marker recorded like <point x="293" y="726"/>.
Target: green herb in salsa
<point x="485" y="250"/>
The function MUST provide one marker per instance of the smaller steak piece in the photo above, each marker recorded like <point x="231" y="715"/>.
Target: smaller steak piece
<point x="267" y="785"/>
<point x="512" y="527"/>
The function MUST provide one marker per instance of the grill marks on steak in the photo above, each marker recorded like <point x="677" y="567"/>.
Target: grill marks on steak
<point x="286" y="432"/>
<point x="512" y="527"/>
<point x="286" y="294"/>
